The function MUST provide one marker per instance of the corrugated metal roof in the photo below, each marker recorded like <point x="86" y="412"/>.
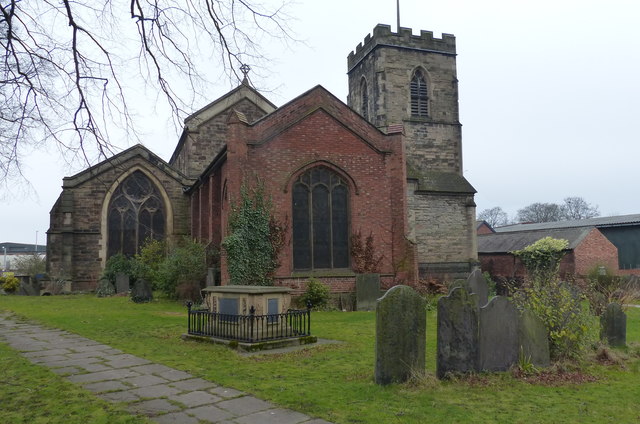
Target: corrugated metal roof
<point x="609" y="221"/>
<point x="508" y="242"/>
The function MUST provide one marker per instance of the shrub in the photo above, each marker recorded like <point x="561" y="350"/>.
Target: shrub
<point x="31" y="265"/>
<point x="365" y="259"/>
<point x="116" y="264"/>
<point x="148" y="262"/>
<point x="563" y="310"/>
<point x="571" y="328"/>
<point x="9" y="282"/>
<point x="602" y="287"/>
<point x="184" y="264"/>
<point x="316" y="294"/>
<point x="542" y="258"/>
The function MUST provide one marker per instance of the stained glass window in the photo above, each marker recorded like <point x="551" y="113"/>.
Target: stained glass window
<point x="320" y="220"/>
<point x="136" y="213"/>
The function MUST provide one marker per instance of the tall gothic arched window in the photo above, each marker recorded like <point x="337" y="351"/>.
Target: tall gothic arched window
<point x="419" y="95"/>
<point x="320" y="220"/>
<point x="136" y="213"/>
<point x="365" y="99"/>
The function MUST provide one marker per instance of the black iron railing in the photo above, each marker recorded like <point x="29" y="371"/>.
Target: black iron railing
<point x="250" y="328"/>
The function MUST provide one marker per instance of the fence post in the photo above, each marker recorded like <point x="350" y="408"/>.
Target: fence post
<point x="189" y="317"/>
<point x="308" y="318"/>
<point x="252" y="313"/>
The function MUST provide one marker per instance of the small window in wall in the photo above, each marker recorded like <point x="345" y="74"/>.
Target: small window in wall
<point x="320" y="220"/>
<point x="136" y="213"/>
<point x="419" y="95"/>
<point x="365" y="99"/>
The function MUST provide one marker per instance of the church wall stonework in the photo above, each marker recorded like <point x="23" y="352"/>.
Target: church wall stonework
<point x="202" y="142"/>
<point x="77" y="233"/>
<point x="441" y="214"/>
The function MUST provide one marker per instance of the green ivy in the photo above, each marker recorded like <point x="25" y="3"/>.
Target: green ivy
<point x="542" y="258"/>
<point x="251" y="255"/>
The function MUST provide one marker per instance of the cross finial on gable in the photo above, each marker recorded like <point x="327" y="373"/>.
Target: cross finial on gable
<point x="245" y="70"/>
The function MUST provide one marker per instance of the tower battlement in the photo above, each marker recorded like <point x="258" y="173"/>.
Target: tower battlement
<point x="404" y="38"/>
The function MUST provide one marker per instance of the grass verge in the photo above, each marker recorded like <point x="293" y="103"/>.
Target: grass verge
<point x="335" y="382"/>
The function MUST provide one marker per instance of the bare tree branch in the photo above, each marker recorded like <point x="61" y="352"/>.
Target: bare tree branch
<point x="66" y="78"/>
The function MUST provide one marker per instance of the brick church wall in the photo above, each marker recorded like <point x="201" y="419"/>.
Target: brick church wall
<point x="306" y="133"/>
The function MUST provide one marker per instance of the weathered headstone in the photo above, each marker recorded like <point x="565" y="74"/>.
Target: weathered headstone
<point x="122" y="283"/>
<point x="613" y="325"/>
<point x="477" y="284"/>
<point x="105" y="288"/>
<point x="498" y="336"/>
<point x="141" y="292"/>
<point x="29" y="287"/>
<point x="533" y="339"/>
<point x="211" y="277"/>
<point x="457" y="333"/>
<point x="401" y="325"/>
<point x="367" y="291"/>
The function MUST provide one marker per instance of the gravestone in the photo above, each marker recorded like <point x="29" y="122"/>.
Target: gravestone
<point x="105" y="288"/>
<point x="477" y="284"/>
<point x="533" y="339"/>
<point x="401" y="325"/>
<point x="457" y="333"/>
<point x="367" y="291"/>
<point x="141" y="291"/>
<point x="122" y="283"/>
<point x="498" y="335"/>
<point x="29" y="287"/>
<point x="613" y="325"/>
<point x="211" y="277"/>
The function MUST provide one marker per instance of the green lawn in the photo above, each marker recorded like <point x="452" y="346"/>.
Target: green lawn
<point x="335" y="382"/>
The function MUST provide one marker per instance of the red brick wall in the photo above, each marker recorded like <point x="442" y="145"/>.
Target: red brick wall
<point x="317" y="129"/>
<point x="595" y="250"/>
<point x="484" y="229"/>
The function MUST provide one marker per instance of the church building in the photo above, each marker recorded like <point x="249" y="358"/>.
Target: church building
<point x="388" y="164"/>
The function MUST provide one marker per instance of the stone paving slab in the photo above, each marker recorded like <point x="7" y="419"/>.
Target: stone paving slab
<point x="244" y="404"/>
<point x="274" y="416"/>
<point x="193" y="384"/>
<point x="165" y="394"/>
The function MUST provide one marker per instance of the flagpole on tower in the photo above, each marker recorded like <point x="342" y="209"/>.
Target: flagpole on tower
<point x="398" y="9"/>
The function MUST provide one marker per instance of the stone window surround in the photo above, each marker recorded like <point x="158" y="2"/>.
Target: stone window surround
<point x="102" y="241"/>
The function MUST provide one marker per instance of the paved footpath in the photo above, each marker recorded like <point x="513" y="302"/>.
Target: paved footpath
<point x="164" y="394"/>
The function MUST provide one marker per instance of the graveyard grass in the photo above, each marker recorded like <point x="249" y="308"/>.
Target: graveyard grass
<point x="333" y="382"/>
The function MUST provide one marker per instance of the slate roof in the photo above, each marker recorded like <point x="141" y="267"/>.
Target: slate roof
<point x="609" y="221"/>
<point x="510" y="241"/>
<point x="444" y="182"/>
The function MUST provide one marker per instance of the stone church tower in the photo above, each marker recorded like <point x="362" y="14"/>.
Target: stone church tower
<point x="408" y="80"/>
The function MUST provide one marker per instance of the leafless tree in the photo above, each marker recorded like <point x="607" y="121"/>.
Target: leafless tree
<point x="495" y="217"/>
<point x="578" y="208"/>
<point x="540" y="212"/>
<point x="66" y="74"/>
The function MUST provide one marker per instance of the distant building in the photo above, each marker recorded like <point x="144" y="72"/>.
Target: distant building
<point x="612" y="241"/>
<point x="10" y="251"/>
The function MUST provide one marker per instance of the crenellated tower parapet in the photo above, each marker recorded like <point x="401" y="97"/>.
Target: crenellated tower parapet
<point x="403" y="39"/>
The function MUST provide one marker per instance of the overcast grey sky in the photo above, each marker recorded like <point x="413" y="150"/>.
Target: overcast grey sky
<point x="549" y="98"/>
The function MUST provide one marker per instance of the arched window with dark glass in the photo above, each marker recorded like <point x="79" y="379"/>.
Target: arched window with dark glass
<point x="419" y="95"/>
<point x="320" y="220"/>
<point x="365" y="99"/>
<point x="136" y="213"/>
